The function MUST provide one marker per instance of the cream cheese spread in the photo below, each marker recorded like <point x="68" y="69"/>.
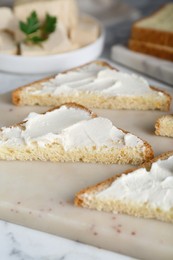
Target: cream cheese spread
<point x="69" y="126"/>
<point x="94" y="78"/>
<point x="153" y="187"/>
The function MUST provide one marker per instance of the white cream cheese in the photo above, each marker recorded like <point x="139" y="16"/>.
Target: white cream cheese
<point x="57" y="42"/>
<point x="96" y="79"/>
<point x="71" y="127"/>
<point x="154" y="187"/>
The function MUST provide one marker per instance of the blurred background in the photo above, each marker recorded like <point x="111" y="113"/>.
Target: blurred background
<point x="116" y="15"/>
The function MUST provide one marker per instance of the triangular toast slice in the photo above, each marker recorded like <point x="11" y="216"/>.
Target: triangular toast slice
<point x="146" y="191"/>
<point x="95" y="85"/>
<point x="164" y="126"/>
<point x="71" y="133"/>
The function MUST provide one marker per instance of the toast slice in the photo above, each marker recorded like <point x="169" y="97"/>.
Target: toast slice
<point x="142" y="192"/>
<point x="71" y="133"/>
<point x="156" y="28"/>
<point x="96" y="85"/>
<point x="164" y="126"/>
<point x="159" y="51"/>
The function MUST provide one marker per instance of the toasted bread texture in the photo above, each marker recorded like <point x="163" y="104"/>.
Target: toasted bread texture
<point x="90" y="198"/>
<point x="164" y="126"/>
<point x="33" y="94"/>
<point x="156" y="28"/>
<point x="159" y="51"/>
<point x="20" y="142"/>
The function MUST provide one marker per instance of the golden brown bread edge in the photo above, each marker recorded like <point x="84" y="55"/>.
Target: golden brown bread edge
<point x="149" y="154"/>
<point x="16" y="93"/>
<point x="70" y="104"/>
<point x="78" y="201"/>
<point x="158" y="130"/>
<point x="151" y="49"/>
<point x="151" y="35"/>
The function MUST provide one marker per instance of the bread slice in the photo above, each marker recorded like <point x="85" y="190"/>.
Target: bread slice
<point x="156" y="28"/>
<point x="142" y="192"/>
<point x="96" y="84"/>
<point x="164" y="126"/>
<point x="71" y="133"/>
<point x="160" y="51"/>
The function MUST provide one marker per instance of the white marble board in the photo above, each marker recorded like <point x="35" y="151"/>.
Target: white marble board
<point x="40" y="195"/>
<point x="149" y="65"/>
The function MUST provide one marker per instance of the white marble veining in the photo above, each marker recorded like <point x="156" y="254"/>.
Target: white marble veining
<point x="20" y="243"/>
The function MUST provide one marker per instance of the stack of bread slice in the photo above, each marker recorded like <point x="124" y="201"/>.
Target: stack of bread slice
<point x="71" y="133"/>
<point x="95" y="85"/>
<point x="153" y="35"/>
<point x="143" y="192"/>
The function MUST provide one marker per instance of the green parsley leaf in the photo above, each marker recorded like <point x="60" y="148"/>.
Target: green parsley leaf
<point x="35" y="39"/>
<point x="32" y="24"/>
<point x="49" y="24"/>
<point x="37" y="32"/>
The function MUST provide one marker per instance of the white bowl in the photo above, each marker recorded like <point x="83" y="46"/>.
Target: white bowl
<point x="52" y="63"/>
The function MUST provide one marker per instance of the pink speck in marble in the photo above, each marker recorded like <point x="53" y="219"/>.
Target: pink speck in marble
<point x="18" y="202"/>
<point x="30" y="212"/>
<point x="61" y="203"/>
<point x="133" y="233"/>
<point x="11" y="210"/>
<point x="95" y="233"/>
<point x="114" y="217"/>
<point x="49" y="209"/>
<point x="117" y="229"/>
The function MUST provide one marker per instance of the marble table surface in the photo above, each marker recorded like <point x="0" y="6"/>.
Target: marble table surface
<point x="20" y="243"/>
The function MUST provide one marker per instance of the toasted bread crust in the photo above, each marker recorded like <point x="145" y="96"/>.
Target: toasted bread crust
<point x="16" y="94"/>
<point x="73" y="105"/>
<point x="163" y="128"/>
<point x="169" y="98"/>
<point x="20" y="98"/>
<point x="116" y="155"/>
<point x="151" y="35"/>
<point x="151" y="49"/>
<point x="79" y="201"/>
